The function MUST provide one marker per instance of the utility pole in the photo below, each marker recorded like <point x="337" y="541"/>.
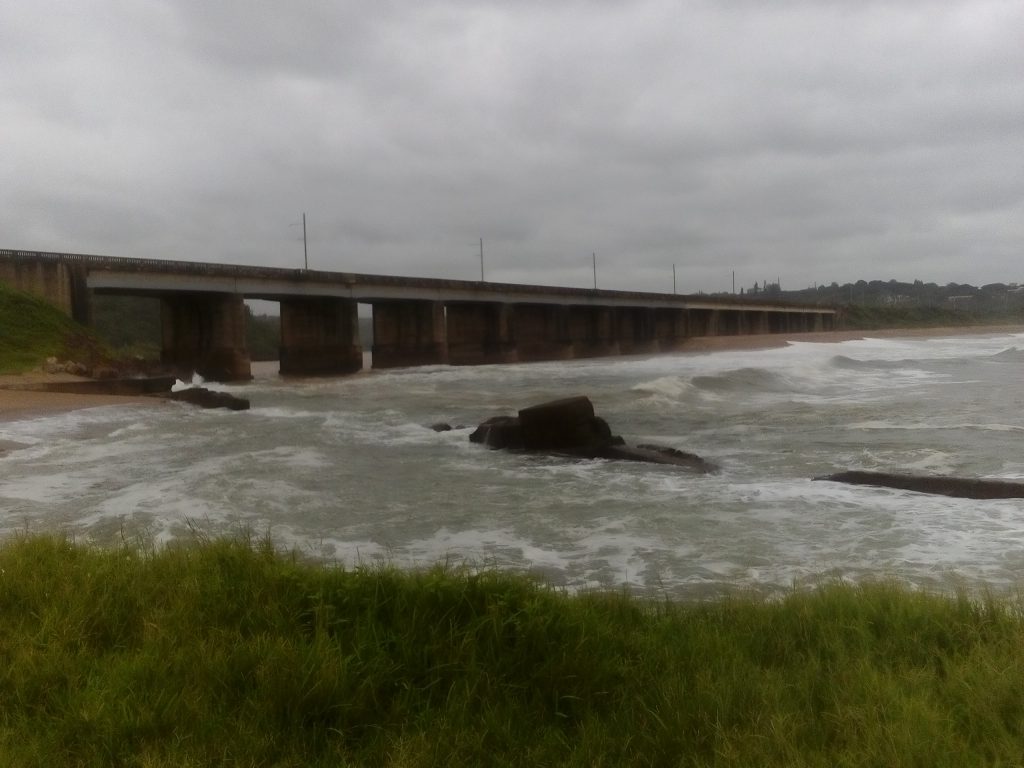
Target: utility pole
<point x="594" y="258"/>
<point x="734" y="281"/>
<point x="305" y="248"/>
<point x="673" y="279"/>
<point x="481" y="259"/>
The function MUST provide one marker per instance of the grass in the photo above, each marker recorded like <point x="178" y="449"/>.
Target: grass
<point x="228" y="653"/>
<point x="32" y="330"/>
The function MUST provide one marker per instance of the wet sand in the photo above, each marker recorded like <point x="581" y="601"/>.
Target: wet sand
<point x="17" y="404"/>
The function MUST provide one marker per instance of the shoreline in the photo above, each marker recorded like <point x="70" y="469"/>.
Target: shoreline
<point x="18" y="404"/>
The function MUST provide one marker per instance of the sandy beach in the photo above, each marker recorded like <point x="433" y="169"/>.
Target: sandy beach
<point x="17" y="403"/>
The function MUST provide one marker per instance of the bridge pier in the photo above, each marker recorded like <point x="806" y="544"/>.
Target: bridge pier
<point x="319" y="337"/>
<point x="205" y="334"/>
<point x="759" y="322"/>
<point x="590" y="331"/>
<point x="670" y="328"/>
<point x="480" y="333"/>
<point x="541" y="332"/>
<point x="407" y="333"/>
<point x="635" y="330"/>
<point x="698" y="322"/>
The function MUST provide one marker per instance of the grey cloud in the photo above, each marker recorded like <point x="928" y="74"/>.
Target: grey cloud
<point x="811" y="141"/>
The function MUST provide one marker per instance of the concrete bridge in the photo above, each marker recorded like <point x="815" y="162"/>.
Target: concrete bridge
<point x="416" y="321"/>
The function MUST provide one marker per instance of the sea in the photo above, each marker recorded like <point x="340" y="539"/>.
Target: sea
<point x="350" y="471"/>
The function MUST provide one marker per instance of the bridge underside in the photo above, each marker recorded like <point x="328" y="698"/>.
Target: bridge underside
<point x="320" y="336"/>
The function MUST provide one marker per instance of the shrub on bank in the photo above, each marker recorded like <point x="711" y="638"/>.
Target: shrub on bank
<point x="228" y="653"/>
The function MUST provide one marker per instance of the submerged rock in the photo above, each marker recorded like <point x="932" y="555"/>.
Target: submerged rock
<point x="661" y="454"/>
<point x="499" y="432"/>
<point x="959" y="487"/>
<point x="570" y="427"/>
<point x="206" y="398"/>
<point x="444" y="426"/>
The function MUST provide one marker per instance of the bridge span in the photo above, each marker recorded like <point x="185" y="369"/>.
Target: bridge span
<point x="416" y="321"/>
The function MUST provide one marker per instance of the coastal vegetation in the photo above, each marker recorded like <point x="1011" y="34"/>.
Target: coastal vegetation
<point x="228" y="652"/>
<point x="34" y="330"/>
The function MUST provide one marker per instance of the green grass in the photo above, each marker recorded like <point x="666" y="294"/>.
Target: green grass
<point x="32" y="330"/>
<point x="227" y="653"/>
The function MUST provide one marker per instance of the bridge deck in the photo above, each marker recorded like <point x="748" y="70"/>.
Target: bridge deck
<point x="110" y="274"/>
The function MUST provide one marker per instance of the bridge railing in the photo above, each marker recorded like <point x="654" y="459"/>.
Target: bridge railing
<point x="245" y="271"/>
<point x="191" y="267"/>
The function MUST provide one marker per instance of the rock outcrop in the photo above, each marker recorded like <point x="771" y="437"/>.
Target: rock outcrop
<point x="206" y="398"/>
<point x="570" y="427"/>
<point x="960" y="487"/>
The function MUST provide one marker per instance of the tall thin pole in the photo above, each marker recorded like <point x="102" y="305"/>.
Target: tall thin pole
<point x="594" y="257"/>
<point x="305" y="248"/>
<point x="673" y="279"/>
<point x="734" y="281"/>
<point x="481" y="259"/>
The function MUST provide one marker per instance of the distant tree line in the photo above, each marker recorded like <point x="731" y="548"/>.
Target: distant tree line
<point x="891" y="303"/>
<point x="994" y="297"/>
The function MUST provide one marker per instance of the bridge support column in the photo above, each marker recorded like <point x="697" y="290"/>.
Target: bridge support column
<point x="480" y="333"/>
<point x="590" y="331"/>
<point x="670" y="328"/>
<point x="319" y="336"/>
<point x="205" y="334"/>
<point x="698" y="322"/>
<point x="759" y="322"/>
<point x="714" y="324"/>
<point x="407" y="333"/>
<point x="728" y="322"/>
<point x="634" y="328"/>
<point x="542" y="332"/>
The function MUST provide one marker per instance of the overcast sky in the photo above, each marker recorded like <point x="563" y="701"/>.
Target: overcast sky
<point x="817" y="141"/>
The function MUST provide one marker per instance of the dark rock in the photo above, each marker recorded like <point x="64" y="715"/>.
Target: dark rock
<point x="564" y="425"/>
<point x="499" y="432"/>
<point x="960" y="487"/>
<point x="206" y="398"/>
<point x="441" y="426"/>
<point x="569" y="427"/>
<point x="661" y="454"/>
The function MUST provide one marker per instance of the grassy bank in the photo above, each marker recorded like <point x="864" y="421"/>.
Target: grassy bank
<point x="32" y="330"/>
<point x="229" y="654"/>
